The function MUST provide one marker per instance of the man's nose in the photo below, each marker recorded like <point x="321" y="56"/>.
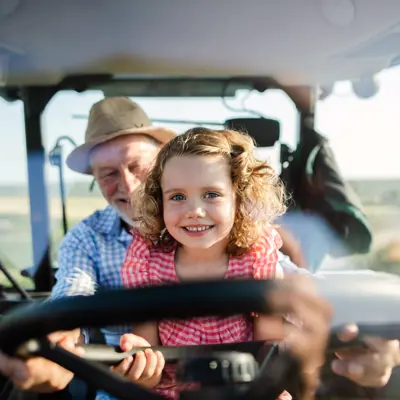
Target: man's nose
<point x="128" y="182"/>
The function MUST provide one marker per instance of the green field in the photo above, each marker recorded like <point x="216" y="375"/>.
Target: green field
<point x="15" y="234"/>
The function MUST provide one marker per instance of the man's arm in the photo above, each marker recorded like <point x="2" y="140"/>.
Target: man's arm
<point x="371" y="368"/>
<point x="292" y="247"/>
<point x="76" y="275"/>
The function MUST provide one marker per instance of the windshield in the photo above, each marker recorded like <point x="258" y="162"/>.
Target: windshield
<point x="361" y="132"/>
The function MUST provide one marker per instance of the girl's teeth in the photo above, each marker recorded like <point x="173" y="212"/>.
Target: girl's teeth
<point x="197" y="229"/>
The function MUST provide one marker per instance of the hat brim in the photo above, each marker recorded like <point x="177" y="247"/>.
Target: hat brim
<point x="78" y="159"/>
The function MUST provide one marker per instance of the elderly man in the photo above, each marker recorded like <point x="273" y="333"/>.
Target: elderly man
<point x="120" y="146"/>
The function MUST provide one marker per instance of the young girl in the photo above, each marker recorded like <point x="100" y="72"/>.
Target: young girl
<point x="205" y="212"/>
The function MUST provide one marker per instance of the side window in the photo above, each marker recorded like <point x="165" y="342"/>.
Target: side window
<point x="15" y="234"/>
<point x="363" y="134"/>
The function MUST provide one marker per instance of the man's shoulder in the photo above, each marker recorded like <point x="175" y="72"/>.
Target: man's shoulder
<point x="101" y="220"/>
<point x="99" y="223"/>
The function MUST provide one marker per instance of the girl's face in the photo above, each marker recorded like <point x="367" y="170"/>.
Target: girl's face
<point x="198" y="200"/>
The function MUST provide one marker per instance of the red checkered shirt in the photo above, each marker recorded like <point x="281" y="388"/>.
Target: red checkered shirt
<point x="145" y="266"/>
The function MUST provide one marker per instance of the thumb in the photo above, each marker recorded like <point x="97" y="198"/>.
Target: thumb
<point x="351" y="370"/>
<point x="348" y="332"/>
<point x="68" y="344"/>
<point x="129" y="341"/>
<point x="59" y="335"/>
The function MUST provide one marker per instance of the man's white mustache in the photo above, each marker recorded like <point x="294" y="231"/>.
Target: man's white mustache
<point x="124" y="217"/>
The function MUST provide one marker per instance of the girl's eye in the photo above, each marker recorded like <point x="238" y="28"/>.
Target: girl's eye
<point x="178" y="197"/>
<point x="212" y="195"/>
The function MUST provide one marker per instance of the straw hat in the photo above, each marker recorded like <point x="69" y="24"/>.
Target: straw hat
<point x="108" y="119"/>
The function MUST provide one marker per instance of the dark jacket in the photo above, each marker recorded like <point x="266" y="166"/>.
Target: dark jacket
<point x="316" y="185"/>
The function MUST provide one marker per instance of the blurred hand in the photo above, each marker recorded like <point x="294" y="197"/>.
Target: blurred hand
<point x="307" y="339"/>
<point x="38" y="374"/>
<point x="370" y="367"/>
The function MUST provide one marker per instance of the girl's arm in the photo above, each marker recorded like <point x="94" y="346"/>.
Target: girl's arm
<point x="148" y="331"/>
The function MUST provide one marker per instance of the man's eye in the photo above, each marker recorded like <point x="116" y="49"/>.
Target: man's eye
<point x="108" y="175"/>
<point x="178" y="197"/>
<point x="133" y="168"/>
<point x="212" y="195"/>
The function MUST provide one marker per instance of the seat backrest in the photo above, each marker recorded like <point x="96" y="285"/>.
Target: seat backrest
<point x="266" y="132"/>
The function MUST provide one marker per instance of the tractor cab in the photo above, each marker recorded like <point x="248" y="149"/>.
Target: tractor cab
<point x="315" y="84"/>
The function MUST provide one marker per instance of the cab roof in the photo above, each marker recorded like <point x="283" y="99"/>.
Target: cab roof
<point x="297" y="42"/>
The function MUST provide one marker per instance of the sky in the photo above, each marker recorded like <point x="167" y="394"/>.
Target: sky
<point x="364" y="134"/>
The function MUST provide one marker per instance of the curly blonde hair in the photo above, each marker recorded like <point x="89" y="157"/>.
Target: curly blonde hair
<point x="260" y="195"/>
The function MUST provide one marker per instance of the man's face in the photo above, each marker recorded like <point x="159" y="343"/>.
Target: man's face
<point x="120" y="165"/>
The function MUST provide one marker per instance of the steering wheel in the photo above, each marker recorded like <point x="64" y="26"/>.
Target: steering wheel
<point x="226" y="370"/>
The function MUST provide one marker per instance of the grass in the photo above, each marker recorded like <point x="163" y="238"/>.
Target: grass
<point x="15" y="230"/>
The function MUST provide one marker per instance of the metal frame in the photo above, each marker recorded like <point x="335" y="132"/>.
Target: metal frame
<point x="35" y="100"/>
